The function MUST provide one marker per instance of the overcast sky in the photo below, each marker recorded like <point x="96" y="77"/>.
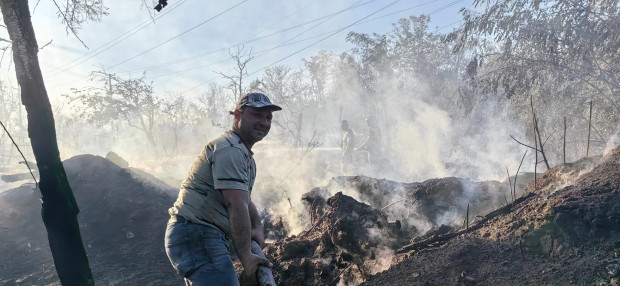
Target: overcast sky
<point x="183" y="46"/>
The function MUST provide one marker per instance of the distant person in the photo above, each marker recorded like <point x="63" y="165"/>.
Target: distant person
<point x="372" y="144"/>
<point x="214" y="205"/>
<point x="348" y="146"/>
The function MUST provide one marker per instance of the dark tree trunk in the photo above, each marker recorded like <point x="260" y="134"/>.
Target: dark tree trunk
<point x="59" y="209"/>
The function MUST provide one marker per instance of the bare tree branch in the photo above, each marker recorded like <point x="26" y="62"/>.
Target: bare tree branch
<point x="48" y="43"/>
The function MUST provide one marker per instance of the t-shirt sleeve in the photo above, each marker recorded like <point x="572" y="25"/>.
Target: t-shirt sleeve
<point x="231" y="170"/>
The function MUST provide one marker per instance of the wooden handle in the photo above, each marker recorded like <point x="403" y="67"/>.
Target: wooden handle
<point x="264" y="274"/>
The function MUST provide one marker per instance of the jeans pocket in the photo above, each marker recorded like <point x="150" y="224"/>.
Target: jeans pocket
<point x="180" y="247"/>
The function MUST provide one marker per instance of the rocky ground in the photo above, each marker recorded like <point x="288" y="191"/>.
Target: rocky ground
<point x="562" y="229"/>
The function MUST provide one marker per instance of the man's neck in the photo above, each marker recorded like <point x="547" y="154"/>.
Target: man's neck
<point x="245" y="142"/>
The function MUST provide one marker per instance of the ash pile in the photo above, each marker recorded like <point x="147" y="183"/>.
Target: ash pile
<point x="349" y="239"/>
<point x="123" y="215"/>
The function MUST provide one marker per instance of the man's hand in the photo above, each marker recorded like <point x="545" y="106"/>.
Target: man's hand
<point x="250" y="266"/>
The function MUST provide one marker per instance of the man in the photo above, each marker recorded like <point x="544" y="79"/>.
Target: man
<point x="214" y="204"/>
<point x="372" y="144"/>
<point x="348" y="145"/>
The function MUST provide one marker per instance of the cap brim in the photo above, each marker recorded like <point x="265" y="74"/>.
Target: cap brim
<point x="271" y="107"/>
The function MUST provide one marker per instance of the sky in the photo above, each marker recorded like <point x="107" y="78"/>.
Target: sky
<point x="182" y="48"/>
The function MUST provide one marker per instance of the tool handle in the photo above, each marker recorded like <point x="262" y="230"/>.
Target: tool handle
<point x="264" y="274"/>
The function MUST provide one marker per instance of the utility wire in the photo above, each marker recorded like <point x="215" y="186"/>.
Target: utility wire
<point x="322" y="39"/>
<point x="333" y="32"/>
<point x="158" y="45"/>
<point x="376" y="18"/>
<point x="326" y="37"/>
<point x="250" y="40"/>
<point x="327" y="19"/>
<point x="111" y="43"/>
<point x="259" y="52"/>
<point x="286" y="43"/>
<point x="183" y="33"/>
<point x="416" y="6"/>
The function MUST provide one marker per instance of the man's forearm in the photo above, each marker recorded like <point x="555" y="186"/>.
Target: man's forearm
<point x="254" y="217"/>
<point x="240" y="228"/>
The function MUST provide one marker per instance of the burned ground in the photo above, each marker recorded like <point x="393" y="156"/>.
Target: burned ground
<point x="566" y="233"/>
<point x="122" y="220"/>
<point x="564" y="229"/>
<point x="349" y="240"/>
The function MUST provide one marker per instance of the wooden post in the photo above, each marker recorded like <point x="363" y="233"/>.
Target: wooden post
<point x="589" y="127"/>
<point x="510" y="184"/>
<point x="564" y="144"/>
<point x="536" y="152"/>
<point x="467" y="220"/>
<point x="517" y="174"/>
<point x="540" y="143"/>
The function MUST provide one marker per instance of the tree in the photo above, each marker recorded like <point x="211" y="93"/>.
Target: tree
<point x="235" y="80"/>
<point x="213" y="104"/>
<point x="562" y="53"/>
<point x="287" y="88"/>
<point x="573" y="43"/>
<point x="178" y="113"/>
<point x="321" y="69"/>
<point x="59" y="208"/>
<point x="130" y="100"/>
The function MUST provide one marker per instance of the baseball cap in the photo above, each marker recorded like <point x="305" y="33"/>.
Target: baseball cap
<point x="258" y="100"/>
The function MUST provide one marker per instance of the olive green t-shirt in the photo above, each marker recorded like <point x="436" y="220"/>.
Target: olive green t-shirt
<point x="225" y="163"/>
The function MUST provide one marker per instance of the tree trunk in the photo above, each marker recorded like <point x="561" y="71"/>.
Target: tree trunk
<point x="59" y="208"/>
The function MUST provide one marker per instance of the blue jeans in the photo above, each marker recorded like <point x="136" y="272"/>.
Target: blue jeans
<point x="200" y="254"/>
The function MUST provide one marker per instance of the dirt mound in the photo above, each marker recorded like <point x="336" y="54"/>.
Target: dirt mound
<point x="422" y="206"/>
<point x="565" y="230"/>
<point x="123" y="216"/>
<point x="346" y="236"/>
<point x="350" y="240"/>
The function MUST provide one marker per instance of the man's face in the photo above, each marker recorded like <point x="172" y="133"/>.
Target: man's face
<point x="254" y="124"/>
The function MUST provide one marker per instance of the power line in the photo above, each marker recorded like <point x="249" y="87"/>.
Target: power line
<point x="112" y="42"/>
<point x="327" y="17"/>
<point x="251" y="39"/>
<point x="376" y="18"/>
<point x="416" y="6"/>
<point x="259" y="52"/>
<point x="355" y="23"/>
<point x="333" y="32"/>
<point x="286" y="43"/>
<point x="183" y="33"/>
<point x="324" y="38"/>
<point x="186" y="31"/>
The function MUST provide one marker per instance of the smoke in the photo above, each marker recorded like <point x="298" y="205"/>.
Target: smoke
<point x="612" y="143"/>
<point x="426" y="133"/>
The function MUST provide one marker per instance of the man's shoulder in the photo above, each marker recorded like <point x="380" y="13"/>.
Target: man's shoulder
<point x="226" y="140"/>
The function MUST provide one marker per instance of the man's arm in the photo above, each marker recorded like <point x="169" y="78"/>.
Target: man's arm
<point x="237" y="202"/>
<point x="257" y="227"/>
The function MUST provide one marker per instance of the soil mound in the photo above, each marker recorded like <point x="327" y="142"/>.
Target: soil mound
<point x="350" y="240"/>
<point x="123" y="214"/>
<point x="421" y="206"/>
<point x="564" y="230"/>
<point x="346" y="234"/>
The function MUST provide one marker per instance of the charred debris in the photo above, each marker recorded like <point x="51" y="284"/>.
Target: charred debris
<point x="563" y="227"/>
